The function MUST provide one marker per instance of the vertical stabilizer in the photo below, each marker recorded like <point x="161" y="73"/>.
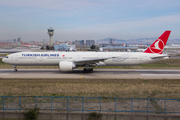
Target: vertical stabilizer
<point x="158" y="46"/>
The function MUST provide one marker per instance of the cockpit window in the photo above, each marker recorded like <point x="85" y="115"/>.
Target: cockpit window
<point x="6" y="56"/>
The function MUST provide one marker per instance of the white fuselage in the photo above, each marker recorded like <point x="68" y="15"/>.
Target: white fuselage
<point x="54" y="58"/>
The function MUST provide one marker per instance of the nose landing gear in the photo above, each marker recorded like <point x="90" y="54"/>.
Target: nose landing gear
<point x="15" y="69"/>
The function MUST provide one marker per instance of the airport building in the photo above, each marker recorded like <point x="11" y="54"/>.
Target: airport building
<point x="82" y="42"/>
<point x="18" y="39"/>
<point x="111" y="42"/>
<point x="64" y="47"/>
<point x="90" y="42"/>
<point x="119" y="48"/>
<point x="78" y="42"/>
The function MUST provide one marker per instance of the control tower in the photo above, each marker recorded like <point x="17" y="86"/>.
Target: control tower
<point x="51" y="33"/>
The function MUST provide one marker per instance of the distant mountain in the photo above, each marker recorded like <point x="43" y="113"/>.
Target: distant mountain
<point x="135" y="41"/>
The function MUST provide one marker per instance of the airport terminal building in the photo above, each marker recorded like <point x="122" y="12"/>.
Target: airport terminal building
<point x="64" y="47"/>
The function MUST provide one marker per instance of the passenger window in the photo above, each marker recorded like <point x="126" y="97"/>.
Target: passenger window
<point x="6" y="56"/>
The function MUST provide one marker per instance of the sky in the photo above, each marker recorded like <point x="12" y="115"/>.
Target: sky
<point x="88" y="19"/>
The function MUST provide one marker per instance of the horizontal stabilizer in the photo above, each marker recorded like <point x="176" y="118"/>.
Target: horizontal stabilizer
<point x="163" y="56"/>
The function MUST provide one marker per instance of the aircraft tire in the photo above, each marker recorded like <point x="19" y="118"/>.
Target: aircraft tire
<point x="91" y="70"/>
<point x="85" y="70"/>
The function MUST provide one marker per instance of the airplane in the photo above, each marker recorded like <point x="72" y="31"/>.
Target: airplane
<point x="67" y="61"/>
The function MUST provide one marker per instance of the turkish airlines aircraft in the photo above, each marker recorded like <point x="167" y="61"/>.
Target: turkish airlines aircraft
<point x="67" y="61"/>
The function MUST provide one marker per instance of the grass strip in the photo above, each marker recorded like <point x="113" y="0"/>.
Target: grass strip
<point x="123" y="88"/>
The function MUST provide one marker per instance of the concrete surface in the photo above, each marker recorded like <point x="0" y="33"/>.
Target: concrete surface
<point x="98" y="73"/>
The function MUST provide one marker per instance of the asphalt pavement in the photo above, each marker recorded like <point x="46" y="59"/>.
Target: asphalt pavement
<point x="97" y="74"/>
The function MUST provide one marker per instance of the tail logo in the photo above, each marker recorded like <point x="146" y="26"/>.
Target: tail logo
<point x="157" y="47"/>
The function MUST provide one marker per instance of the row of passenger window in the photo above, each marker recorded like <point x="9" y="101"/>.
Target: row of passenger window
<point x="47" y="57"/>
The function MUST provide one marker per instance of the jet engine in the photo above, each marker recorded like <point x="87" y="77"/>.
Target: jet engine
<point x="66" y="66"/>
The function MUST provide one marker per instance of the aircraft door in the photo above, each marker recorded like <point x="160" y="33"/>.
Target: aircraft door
<point x="78" y="57"/>
<point x="33" y="60"/>
<point x="140" y="59"/>
<point x="39" y="60"/>
<point x="16" y="57"/>
<point x="110" y="59"/>
<point x="11" y="58"/>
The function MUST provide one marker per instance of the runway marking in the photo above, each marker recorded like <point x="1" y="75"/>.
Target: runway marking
<point x="4" y="73"/>
<point x="160" y="74"/>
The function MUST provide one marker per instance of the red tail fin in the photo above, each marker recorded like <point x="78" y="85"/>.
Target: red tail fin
<point x="159" y="44"/>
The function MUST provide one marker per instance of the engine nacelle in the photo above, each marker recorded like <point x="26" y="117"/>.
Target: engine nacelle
<point x="66" y="66"/>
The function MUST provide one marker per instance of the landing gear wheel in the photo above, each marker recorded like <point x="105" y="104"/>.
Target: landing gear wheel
<point x="85" y="70"/>
<point x="91" y="70"/>
<point x="15" y="69"/>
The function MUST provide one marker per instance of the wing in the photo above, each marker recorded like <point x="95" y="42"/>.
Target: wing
<point x="91" y="62"/>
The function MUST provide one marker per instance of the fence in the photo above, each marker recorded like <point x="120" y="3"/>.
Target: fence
<point x="90" y="104"/>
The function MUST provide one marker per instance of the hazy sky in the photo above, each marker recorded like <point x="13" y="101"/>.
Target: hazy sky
<point x="88" y="19"/>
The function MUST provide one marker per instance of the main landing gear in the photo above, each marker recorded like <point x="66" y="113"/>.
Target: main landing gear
<point x="87" y="70"/>
<point x="15" y="69"/>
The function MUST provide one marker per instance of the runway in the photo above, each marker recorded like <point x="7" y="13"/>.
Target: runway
<point x="97" y="74"/>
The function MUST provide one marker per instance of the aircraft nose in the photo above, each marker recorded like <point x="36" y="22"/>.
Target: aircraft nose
<point x="3" y="60"/>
